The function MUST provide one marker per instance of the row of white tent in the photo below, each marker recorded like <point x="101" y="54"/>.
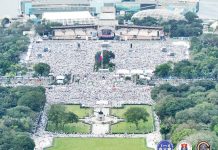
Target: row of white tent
<point x="134" y="72"/>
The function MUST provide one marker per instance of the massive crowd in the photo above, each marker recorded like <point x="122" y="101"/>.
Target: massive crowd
<point x="66" y="57"/>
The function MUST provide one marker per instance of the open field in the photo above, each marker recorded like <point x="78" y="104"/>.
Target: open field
<point x="125" y="127"/>
<point x="78" y="127"/>
<point x="99" y="144"/>
<point x="80" y="112"/>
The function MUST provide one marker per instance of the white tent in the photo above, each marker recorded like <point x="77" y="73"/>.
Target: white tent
<point x="70" y="18"/>
<point x="122" y="71"/>
<point x="60" y="77"/>
<point x="148" y="71"/>
<point x="136" y="71"/>
<point x="102" y="102"/>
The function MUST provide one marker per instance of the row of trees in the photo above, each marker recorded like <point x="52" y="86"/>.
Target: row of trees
<point x="192" y="26"/>
<point x="19" y="110"/>
<point x="203" y="63"/>
<point x="12" y="44"/>
<point x="45" y="28"/>
<point x="188" y="111"/>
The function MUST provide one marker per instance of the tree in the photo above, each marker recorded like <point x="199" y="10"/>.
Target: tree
<point x="59" y="117"/>
<point x="215" y="128"/>
<point x="71" y="117"/>
<point x="107" y="57"/>
<point x="135" y="114"/>
<point x="146" y="21"/>
<point x="45" y="28"/>
<point x="213" y="97"/>
<point x="190" y="16"/>
<point x="164" y="130"/>
<point x="4" y="22"/>
<point x="56" y="114"/>
<point x="204" y="136"/>
<point x="178" y="136"/>
<point x="163" y="70"/>
<point x="24" y="142"/>
<point x="33" y="100"/>
<point x="42" y="69"/>
<point x="20" y="112"/>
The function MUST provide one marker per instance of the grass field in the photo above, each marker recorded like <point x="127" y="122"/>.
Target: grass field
<point x="70" y="128"/>
<point x="125" y="127"/>
<point x="80" y="112"/>
<point x="98" y="144"/>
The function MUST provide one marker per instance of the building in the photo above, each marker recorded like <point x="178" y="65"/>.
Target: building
<point x="38" y="7"/>
<point x="182" y="6"/>
<point x="25" y="7"/>
<point x="135" y="5"/>
<point x="163" y="14"/>
<point x="107" y="17"/>
<point x="41" y="6"/>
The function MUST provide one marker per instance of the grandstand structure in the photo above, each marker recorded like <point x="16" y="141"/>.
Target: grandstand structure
<point x="107" y="33"/>
<point x="139" y="32"/>
<point x="81" y="32"/>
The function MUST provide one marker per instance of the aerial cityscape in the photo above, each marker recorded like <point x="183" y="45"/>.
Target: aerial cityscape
<point x="109" y="75"/>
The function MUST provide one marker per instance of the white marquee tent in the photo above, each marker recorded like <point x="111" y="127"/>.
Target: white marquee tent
<point x="70" y="18"/>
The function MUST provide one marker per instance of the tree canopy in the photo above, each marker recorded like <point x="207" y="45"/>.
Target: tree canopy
<point x="42" y="69"/>
<point x="135" y="114"/>
<point x="12" y="44"/>
<point x="18" y="116"/>
<point x="104" y="59"/>
<point x="188" y="110"/>
<point x="190" y="27"/>
<point x="58" y="115"/>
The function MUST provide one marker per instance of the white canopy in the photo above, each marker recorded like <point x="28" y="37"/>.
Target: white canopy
<point x="148" y="71"/>
<point x="136" y="71"/>
<point x="60" y="77"/>
<point x="101" y="102"/>
<point x="67" y="15"/>
<point x="122" y="71"/>
<point x="70" y="18"/>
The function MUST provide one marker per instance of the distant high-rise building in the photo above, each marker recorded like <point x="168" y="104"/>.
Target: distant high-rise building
<point x="41" y="6"/>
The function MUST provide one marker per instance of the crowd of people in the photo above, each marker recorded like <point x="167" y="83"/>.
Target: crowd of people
<point x="66" y="57"/>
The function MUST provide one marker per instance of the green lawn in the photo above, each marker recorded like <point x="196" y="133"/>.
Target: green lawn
<point x="99" y="144"/>
<point x="70" y="128"/>
<point x="125" y="127"/>
<point x="80" y="112"/>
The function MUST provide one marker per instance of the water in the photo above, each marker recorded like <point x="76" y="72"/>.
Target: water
<point x="208" y="8"/>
